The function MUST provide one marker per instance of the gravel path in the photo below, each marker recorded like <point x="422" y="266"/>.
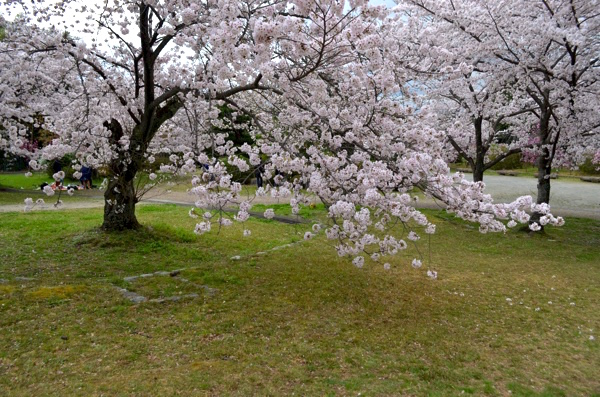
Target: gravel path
<point x="568" y="196"/>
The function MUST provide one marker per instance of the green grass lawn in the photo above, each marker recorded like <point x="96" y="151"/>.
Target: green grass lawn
<point x="18" y="180"/>
<point x="509" y="314"/>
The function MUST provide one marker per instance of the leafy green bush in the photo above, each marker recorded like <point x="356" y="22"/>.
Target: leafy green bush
<point x="589" y="168"/>
<point x="512" y="162"/>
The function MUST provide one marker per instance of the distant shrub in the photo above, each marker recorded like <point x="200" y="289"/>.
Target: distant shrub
<point x="512" y="162"/>
<point x="589" y="168"/>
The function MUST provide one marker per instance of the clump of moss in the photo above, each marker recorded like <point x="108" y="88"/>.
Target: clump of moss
<point x="56" y="292"/>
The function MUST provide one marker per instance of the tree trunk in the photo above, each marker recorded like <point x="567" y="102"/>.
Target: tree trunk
<point x="478" y="168"/>
<point x="119" y="205"/>
<point x="480" y="151"/>
<point x="544" y="166"/>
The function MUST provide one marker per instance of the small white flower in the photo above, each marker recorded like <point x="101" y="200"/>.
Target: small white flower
<point x="308" y="235"/>
<point x="412" y="236"/>
<point x="537" y="309"/>
<point x="416" y="263"/>
<point x="535" y="227"/>
<point x="359" y="262"/>
<point x="247" y="233"/>
<point x="432" y="274"/>
<point x="70" y="192"/>
<point x="202" y="228"/>
<point x="59" y="176"/>
<point x="269" y="213"/>
<point x="572" y="303"/>
<point x="192" y="213"/>
<point x="508" y="300"/>
<point x="152" y="176"/>
<point x="48" y="190"/>
<point x="592" y="337"/>
<point x="316" y="227"/>
<point x="28" y="174"/>
<point x="386" y="266"/>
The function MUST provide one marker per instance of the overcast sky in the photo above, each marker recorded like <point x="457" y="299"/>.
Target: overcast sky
<point x="388" y="3"/>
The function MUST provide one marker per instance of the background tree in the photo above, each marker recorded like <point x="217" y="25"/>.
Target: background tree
<point x="472" y="101"/>
<point x="551" y="49"/>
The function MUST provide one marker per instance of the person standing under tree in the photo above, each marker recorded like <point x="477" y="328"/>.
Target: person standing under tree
<point x="86" y="177"/>
<point x="56" y="168"/>
<point x="258" y="174"/>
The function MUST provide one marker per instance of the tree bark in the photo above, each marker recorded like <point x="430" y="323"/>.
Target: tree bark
<point x="119" y="205"/>
<point x="120" y="196"/>
<point x="544" y="166"/>
<point x="478" y="167"/>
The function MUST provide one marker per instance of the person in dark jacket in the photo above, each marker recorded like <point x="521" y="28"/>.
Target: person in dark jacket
<point x="57" y="167"/>
<point x="258" y="174"/>
<point x="86" y="177"/>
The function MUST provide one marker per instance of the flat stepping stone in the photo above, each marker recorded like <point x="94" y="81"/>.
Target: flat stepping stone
<point x="132" y="296"/>
<point x="553" y="175"/>
<point x="174" y="298"/>
<point x="507" y="173"/>
<point x="593" y="179"/>
<point x="172" y="273"/>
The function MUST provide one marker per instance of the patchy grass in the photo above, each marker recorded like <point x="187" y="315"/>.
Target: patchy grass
<point x="508" y="314"/>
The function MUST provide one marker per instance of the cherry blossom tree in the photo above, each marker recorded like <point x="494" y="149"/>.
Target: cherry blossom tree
<point x="472" y="100"/>
<point x="319" y="84"/>
<point x="550" y="48"/>
<point x="175" y="51"/>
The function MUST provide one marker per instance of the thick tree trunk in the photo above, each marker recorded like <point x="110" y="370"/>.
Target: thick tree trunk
<point x="119" y="205"/>
<point x="478" y="168"/>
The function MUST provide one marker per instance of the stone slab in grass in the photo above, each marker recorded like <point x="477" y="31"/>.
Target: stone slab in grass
<point x="508" y="173"/>
<point x="553" y="175"/>
<point x="593" y="179"/>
